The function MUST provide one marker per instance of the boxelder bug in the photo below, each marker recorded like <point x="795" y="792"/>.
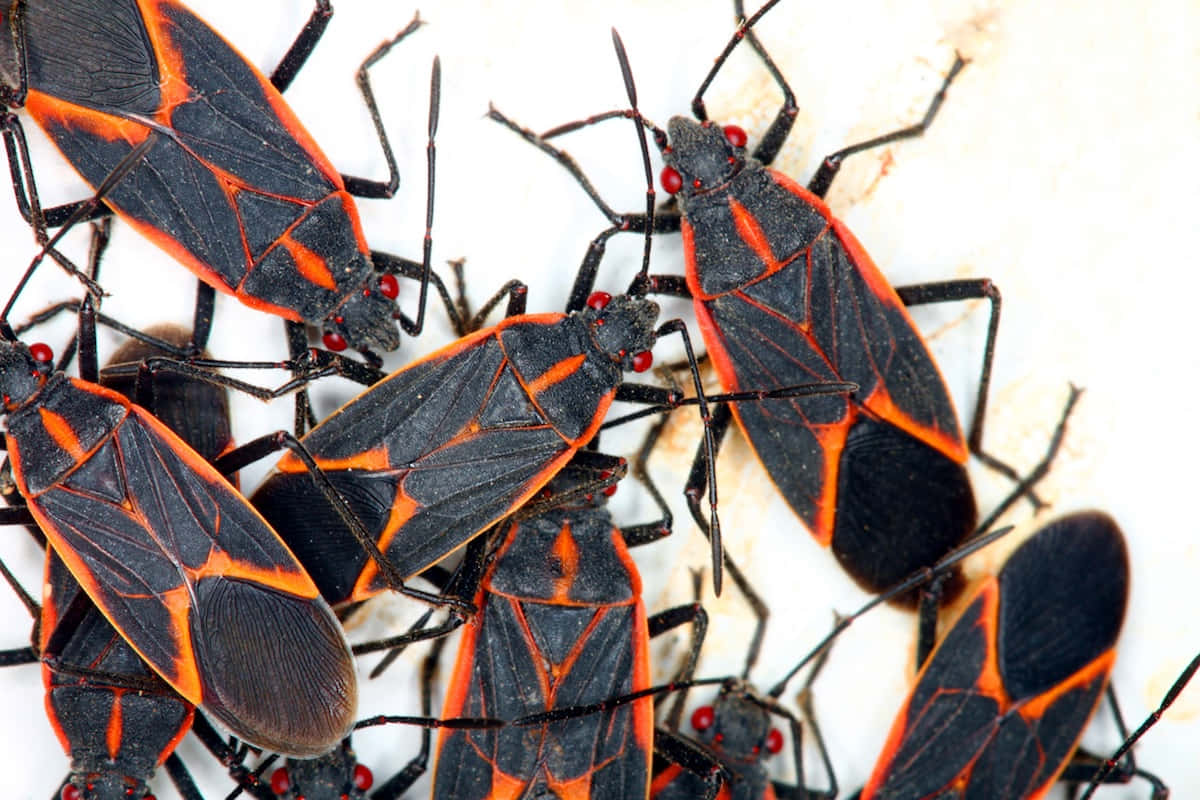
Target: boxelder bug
<point x="174" y="557"/>
<point x="999" y="706"/>
<point x="560" y="624"/>
<point x="783" y="294"/>
<point x="114" y="717"/>
<point x="133" y="92"/>
<point x="117" y="719"/>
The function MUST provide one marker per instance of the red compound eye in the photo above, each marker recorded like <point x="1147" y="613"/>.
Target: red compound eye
<point x="703" y="718"/>
<point x="389" y="287"/>
<point x="671" y="180"/>
<point x="642" y="361"/>
<point x="280" y="781"/>
<point x="774" y="741"/>
<point x="363" y="779"/>
<point x="598" y="300"/>
<point x="335" y="342"/>
<point x="609" y="491"/>
<point x="70" y="792"/>
<point x="41" y="353"/>
<point x="735" y="136"/>
<point x="146" y="797"/>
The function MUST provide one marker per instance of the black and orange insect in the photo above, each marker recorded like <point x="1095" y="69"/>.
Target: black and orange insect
<point x="116" y="719"/>
<point x="199" y="152"/>
<point x="172" y="555"/>
<point x="999" y="707"/>
<point x="783" y="294"/>
<point x="560" y="624"/>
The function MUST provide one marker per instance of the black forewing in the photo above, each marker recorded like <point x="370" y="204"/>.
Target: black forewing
<point x="230" y="123"/>
<point x="948" y="720"/>
<point x="95" y="53"/>
<point x="768" y="351"/>
<point x="605" y="742"/>
<point x="82" y="708"/>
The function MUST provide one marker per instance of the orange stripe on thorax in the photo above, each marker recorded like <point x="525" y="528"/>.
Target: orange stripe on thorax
<point x="752" y="234"/>
<point x="556" y="374"/>
<point x="310" y="265"/>
<point x="62" y="433"/>
<point x="566" y="552"/>
<point x="112" y="733"/>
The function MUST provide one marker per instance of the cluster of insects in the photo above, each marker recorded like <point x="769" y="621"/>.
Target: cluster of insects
<point x="193" y="622"/>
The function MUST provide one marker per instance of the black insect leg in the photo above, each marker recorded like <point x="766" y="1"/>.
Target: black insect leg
<point x="302" y="47"/>
<point x="1102" y="771"/>
<point x="804" y="699"/>
<point x="680" y="751"/>
<point x="820" y="182"/>
<point x="956" y="291"/>
<point x="182" y="779"/>
<point x="651" y="395"/>
<point x="769" y="146"/>
<point x="1027" y="482"/>
<point x="687" y="667"/>
<point x="399" y="783"/>
<point x="663" y="222"/>
<point x="25" y="187"/>
<point x="297" y="339"/>
<point x="233" y="758"/>
<point x="363" y="187"/>
<point x="387" y="263"/>
<point x="915" y="580"/>
<point x="672" y="618"/>
<point x="464" y="320"/>
<point x="458" y="592"/>
<point x="16" y="516"/>
<point x="694" y="489"/>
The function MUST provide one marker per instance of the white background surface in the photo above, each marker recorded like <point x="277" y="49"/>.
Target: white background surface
<point x="1063" y="166"/>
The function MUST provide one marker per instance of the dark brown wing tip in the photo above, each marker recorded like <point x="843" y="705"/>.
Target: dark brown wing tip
<point x="276" y="668"/>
